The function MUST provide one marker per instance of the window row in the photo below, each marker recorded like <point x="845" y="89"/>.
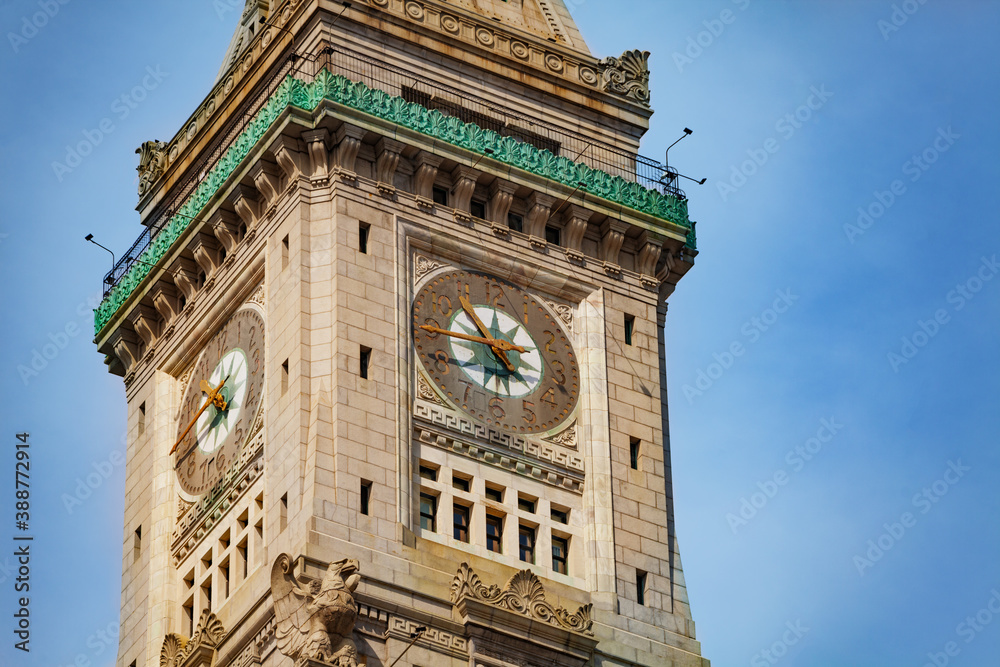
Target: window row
<point x="493" y="532"/>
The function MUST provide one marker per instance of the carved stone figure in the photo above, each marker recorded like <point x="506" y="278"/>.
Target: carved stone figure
<point x="628" y="75"/>
<point x="152" y="162"/>
<point x="316" y="619"/>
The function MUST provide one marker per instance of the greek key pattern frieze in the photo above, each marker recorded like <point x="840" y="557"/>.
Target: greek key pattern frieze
<point x="433" y="638"/>
<point x="532" y="448"/>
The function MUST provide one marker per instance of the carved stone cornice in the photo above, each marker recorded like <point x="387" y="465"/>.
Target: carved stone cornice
<point x="538" y="459"/>
<point x="522" y="594"/>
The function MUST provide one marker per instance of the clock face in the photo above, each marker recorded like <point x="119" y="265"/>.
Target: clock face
<point x="229" y="378"/>
<point x="496" y="351"/>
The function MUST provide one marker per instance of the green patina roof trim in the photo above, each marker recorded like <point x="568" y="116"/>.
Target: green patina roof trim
<point x="328" y="86"/>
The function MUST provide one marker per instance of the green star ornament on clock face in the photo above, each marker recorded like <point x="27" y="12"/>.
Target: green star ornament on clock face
<point x="496" y="351"/>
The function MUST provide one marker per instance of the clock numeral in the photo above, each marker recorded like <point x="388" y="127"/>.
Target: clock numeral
<point x="549" y="398"/>
<point x="441" y="304"/>
<point x="441" y="362"/>
<point x="220" y="465"/>
<point x="468" y="392"/>
<point x="432" y="323"/>
<point x="530" y="417"/>
<point x="548" y="344"/>
<point x="494" y="301"/>
<point x="206" y="468"/>
<point x="496" y="408"/>
<point x="190" y="466"/>
<point x="560" y="372"/>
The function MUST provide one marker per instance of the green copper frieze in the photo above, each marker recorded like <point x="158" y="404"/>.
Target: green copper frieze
<point x="358" y="96"/>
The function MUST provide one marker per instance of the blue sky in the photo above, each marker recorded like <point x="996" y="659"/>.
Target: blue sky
<point x="777" y="547"/>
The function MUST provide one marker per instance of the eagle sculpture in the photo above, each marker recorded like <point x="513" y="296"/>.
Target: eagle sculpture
<point x="316" y="619"/>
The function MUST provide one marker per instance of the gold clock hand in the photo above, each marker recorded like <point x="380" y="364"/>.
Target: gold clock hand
<point x="213" y="395"/>
<point x="498" y="351"/>
<point x="492" y="342"/>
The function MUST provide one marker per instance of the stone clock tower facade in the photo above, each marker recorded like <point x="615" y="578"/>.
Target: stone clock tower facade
<point x="392" y="345"/>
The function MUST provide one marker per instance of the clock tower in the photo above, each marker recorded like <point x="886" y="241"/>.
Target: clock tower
<point x="392" y="344"/>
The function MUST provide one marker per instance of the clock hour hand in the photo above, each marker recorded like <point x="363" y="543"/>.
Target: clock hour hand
<point x="492" y="342"/>
<point x="498" y="350"/>
<point x="214" y="397"/>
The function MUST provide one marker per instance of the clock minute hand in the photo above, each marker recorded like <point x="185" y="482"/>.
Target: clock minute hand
<point x="492" y="342"/>
<point x="212" y="395"/>
<point x="498" y="350"/>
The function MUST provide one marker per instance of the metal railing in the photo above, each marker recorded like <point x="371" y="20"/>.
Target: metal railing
<point x="402" y="83"/>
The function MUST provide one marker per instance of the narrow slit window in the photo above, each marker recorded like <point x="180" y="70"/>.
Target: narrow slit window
<point x="284" y="253"/>
<point x="363" y="232"/>
<point x="629" y="328"/>
<point x="428" y="512"/>
<point x="478" y="210"/>
<point x="440" y="196"/>
<point x="283" y="519"/>
<point x="634" y="446"/>
<point x="241" y="552"/>
<point x="494" y="533"/>
<point x="640" y="587"/>
<point x="188" y="612"/>
<point x="461" y="523"/>
<point x="206" y="594"/>
<point x="366" y="496"/>
<point x="553" y="235"/>
<point x="526" y="543"/>
<point x="366" y="360"/>
<point x="225" y="572"/>
<point x="137" y="545"/>
<point x="142" y="418"/>
<point x="515" y="222"/>
<point x="560" y="555"/>
<point x="284" y="377"/>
